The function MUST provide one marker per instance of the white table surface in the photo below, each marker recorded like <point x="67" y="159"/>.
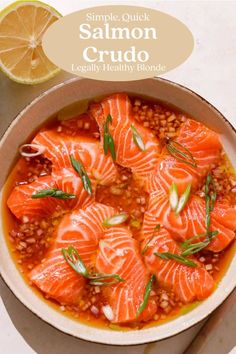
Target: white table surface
<point x="211" y="72"/>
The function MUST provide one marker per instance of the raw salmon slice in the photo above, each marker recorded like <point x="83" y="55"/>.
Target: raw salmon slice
<point x="204" y="145"/>
<point x="196" y="137"/>
<point x="24" y="207"/>
<point x="191" y="220"/>
<point x="57" y="280"/>
<point x="68" y="181"/>
<point x="170" y="170"/>
<point x="226" y="215"/>
<point x="119" y="253"/>
<point x="128" y="154"/>
<point x="81" y="229"/>
<point x="187" y="283"/>
<point x="59" y="147"/>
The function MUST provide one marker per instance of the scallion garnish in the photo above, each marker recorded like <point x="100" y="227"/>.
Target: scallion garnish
<point x="181" y="153"/>
<point x="192" y="248"/>
<point x="208" y="213"/>
<point x="73" y="258"/>
<point x="100" y="279"/>
<point x="177" y="204"/>
<point x="137" y="138"/>
<point x="189" y="241"/>
<point x="108" y="141"/>
<point x="176" y="257"/>
<point x="157" y="228"/>
<point x="146" y="296"/>
<point x="79" y="168"/>
<point x="54" y="193"/>
<point x="173" y="196"/>
<point x="115" y="220"/>
<point x="183" y="199"/>
<point x="210" y="199"/>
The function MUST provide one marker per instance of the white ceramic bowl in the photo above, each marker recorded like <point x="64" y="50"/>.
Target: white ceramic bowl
<point x="34" y="115"/>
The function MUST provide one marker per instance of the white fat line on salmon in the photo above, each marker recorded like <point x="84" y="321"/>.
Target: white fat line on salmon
<point x="116" y="267"/>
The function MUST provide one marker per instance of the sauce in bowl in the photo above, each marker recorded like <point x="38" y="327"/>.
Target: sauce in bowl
<point x="31" y="238"/>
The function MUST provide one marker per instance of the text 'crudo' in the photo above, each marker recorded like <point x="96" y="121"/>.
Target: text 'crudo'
<point x="92" y="55"/>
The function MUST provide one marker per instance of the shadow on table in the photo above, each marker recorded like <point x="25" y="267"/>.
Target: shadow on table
<point x="44" y="339"/>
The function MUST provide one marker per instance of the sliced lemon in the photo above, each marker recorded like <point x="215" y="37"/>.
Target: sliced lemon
<point x="22" y="25"/>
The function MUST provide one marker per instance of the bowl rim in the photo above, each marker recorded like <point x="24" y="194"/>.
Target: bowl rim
<point x="66" y="331"/>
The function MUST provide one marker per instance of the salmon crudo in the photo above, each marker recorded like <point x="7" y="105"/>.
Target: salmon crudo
<point x="123" y="216"/>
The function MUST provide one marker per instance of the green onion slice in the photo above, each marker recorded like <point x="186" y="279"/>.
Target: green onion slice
<point x="101" y="279"/>
<point x="137" y="138"/>
<point x="183" y="199"/>
<point x="210" y="199"/>
<point x="189" y="241"/>
<point x="115" y="220"/>
<point x="173" y="196"/>
<point x="108" y="141"/>
<point x="176" y="257"/>
<point x="157" y="228"/>
<point x="181" y="153"/>
<point x="146" y="296"/>
<point x="208" y="213"/>
<point x="73" y="258"/>
<point x="177" y="204"/>
<point x="55" y="193"/>
<point x="213" y="195"/>
<point x="192" y="248"/>
<point x="79" y="168"/>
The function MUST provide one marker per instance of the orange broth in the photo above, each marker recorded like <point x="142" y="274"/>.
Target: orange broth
<point x="125" y="195"/>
